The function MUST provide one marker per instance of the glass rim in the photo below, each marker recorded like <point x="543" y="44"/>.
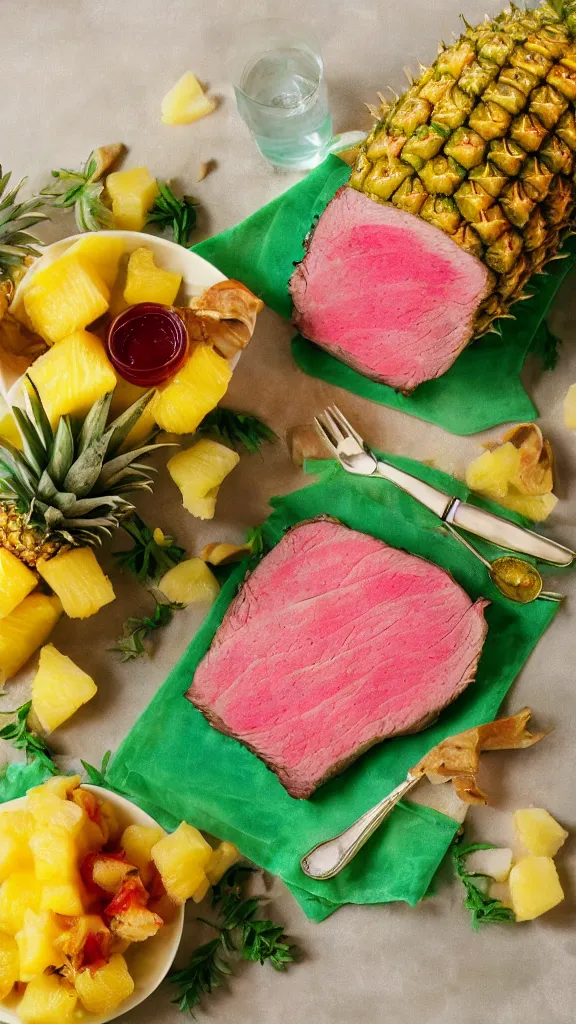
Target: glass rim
<point x="292" y="27"/>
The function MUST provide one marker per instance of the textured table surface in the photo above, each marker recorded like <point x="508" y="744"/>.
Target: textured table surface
<point x="78" y="73"/>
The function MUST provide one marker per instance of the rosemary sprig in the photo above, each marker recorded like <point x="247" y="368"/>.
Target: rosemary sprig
<point x="97" y="776"/>
<point x="238" y="429"/>
<point x="204" y="973"/>
<point x="483" y="908"/>
<point x="22" y="738"/>
<point x="147" y="560"/>
<point x="135" y="631"/>
<point x="170" y="212"/>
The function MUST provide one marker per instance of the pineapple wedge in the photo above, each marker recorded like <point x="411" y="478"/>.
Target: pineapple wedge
<point x="137" y="842"/>
<point x="569" y="408"/>
<point x="186" y="101"/>
<point x="539" y="832"/>
<point x="188" y="582"/>
<point x="145" y="282"/>
<point x="72" y="375"/>
<point x="66" y="296"/>
<point x="16" y="582"/>
<point x="36" y="944"/>
<point x="24" y="630"/>
<point x="19" y="893"/>
<point x="222" y="858"/>
<point x="199" y="471"/>
<point x="180" y="405"/>
<point x="101" y="991"/>
<point x="103" y="251"/>
<point x="491" y="472"/>
<point x="133" y="194"/>
<point x="76" y="577"/>
<point x="181" y="859"/>
<point x="59" y="688"/>
<point x="534" y="506"/>
<point x="534" y="887"/>
<point x="48" y="1000"/>
<point x="9" y="964"/>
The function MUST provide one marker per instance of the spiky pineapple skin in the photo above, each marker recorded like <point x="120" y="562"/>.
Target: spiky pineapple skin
<point x="482" y="145"/>
<point x="24" y="541"/>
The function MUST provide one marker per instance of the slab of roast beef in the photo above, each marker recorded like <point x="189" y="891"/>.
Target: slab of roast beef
<point x="335" y="642"/>
<point x="385" y="292"/>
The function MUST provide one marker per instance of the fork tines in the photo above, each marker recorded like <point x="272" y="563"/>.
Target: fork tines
<point x="334" y="428"/>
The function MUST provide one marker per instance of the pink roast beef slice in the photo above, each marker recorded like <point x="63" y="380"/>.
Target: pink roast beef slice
<point x="335" y="642"/>
<point x="385" y="292"/>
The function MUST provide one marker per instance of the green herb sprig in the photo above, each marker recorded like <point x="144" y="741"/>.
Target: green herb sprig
<point x="16" y="241"/>
<point x="135" y="631"/>
<point x="147" y="560"/>
<point x="97" y="776"/>
<point x="237" y="429"/>
<point x="170" y="212"/>
<point x="22" y="738"/>
<point x="83" y="190"/>
<point x="483" y="908"/>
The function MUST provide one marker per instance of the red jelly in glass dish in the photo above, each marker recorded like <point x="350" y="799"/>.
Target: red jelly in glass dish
<point x="147" y="344"/>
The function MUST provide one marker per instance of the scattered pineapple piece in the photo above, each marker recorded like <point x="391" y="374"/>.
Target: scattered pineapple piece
<point x="534" y="506"/>
<point x="222" y="858"/>
<point x="16" y="582"/>
<point x="495" y="863"/>
<point x="186" y="101"/>
<point x="19" y="893"/>
<point x="72" y="375"/>
<point x="76" y="577"/>
<point x="59" y="688"/>
<point x="491" y="472"/>
<point x="569" y="408"/>
<point x="188" y="582"/>
<point x="146" y="282"/>
<point x="103" y="990"/>
<point x="24" y="630"/>
<point x="223" y="554"/>
<point x="55" y="856"/>
<point x="534" y="887"/>
<point x="64" y="898"/>
<point x="133" y="194"/>
<point x="199" y="471"/>
<point x="539" y="832"/>
<point x="181" y="859"/>
<point x="66" y="296"/>
<point x="103" y="251"/>
<point x="9" y="964"/>
<point x="201" y="891"/>
<point x="48" y="1000"/>
<point x="180" y="405"/>
<point x="518" y="473"/>
<point x="137" y="842"/>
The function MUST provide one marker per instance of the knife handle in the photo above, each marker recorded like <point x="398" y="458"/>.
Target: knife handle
<point x="506" y="534"/>
<point x="437" y="501"/>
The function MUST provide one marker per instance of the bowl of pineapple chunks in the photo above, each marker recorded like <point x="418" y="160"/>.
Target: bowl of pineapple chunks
<point x="91" y="902"/>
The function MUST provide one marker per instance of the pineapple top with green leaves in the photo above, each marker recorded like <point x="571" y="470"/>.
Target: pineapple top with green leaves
<point x="68" y="486"/>
<point x="17" y="244"/>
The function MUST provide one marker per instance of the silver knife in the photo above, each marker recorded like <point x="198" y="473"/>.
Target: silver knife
<point x="355" y="457"/>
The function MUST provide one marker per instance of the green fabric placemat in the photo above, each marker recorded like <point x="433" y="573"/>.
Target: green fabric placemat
<point x="482" y="388"/>
<point x="177" y="767"/>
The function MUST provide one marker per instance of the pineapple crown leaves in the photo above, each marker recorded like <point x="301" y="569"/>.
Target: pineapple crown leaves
<point x="17" y="244"/>
<point x="71" y="484"/>
<point x="83" y="189"/>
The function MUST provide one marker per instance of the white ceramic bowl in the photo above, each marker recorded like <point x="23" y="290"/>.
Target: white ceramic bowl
<point x="149" y="961"/>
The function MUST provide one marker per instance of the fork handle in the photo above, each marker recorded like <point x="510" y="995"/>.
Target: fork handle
<point x="437" y="501"/>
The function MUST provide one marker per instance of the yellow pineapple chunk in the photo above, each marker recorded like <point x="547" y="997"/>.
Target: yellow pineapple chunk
<point x="60" y="785"/>
<point x="103" y="251"/>
<point x="36" y="944"/>
<point x="200" y="893"/>
<point x="16" y="582"/>
<point x="145" y="282"/>
<point x="137" y="842"/>
<point x="199" y="471"/>
<point x="224" y="554"/>
<point x="570" y="408"/>
<point x="534" y="887"/>
<point x="72" y="375"/>
<point x="59" y="688"/>
<point x="14" y="855"/>
<point x="491" y="472"/>
<point x="188" y="582"/>
<point x="64" y="898"/>
<point x="66" y="296"/>
<point x="55" y="856"/>
<point x="103" y="990"/>
<point x="19" y="893"/>
<point x="76" y="577"/>
<point x="48" y="1000"/>
<point x="24" y="630"/>
<point x="181" y="859"/>
<point x="534" y="506"/>
<point x="56" y="815"/>
<point x="16" y="823"/>
<point x="133" y="194"/>
<point x="180" y="405"/>
<point x="9" y="964"/>
<point x="539" y="832"/>
<point x="186" y="101"/>
<point x="222" y="858"/>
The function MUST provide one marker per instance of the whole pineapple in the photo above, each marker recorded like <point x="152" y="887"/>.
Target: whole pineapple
<point x="483" y="145"/>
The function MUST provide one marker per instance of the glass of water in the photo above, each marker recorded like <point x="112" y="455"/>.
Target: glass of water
<point x="281" y="92"/>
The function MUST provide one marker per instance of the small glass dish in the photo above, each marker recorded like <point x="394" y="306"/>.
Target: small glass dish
<point x="147" y="343"/>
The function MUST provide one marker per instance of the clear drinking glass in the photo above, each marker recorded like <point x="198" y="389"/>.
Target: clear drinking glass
<point x="278" y="76"/>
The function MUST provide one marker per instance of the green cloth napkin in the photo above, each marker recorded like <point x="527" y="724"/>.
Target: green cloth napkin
<point x="176" y="766"/>
<point x="482" y="388"/>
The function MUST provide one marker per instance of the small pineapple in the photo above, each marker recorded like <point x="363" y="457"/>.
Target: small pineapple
<point x="9" y="964"/>
<point x="145" y="282"/>
<point x="36" y="944"/>
<point x="76" y="577"/>
<point x="59" y="688"/>
<point x="199" y="472"/>
<point x="137" y="842"/>
<point x="186" y="101"/>
<point x="101" y="991"/>
<point x="72" y="375"/>
<point x="66" y="296"/>
<point x="24" y="630"/>
<point x="180" y="405"/>
<point x="534" y="887"/>
<point x="103" y="251"/>
<point x="133" y="194"/>
<point x="48" y="1000"/>
<point x="16" y="582"/>
<point x="539" y="832"/>
<point x="190" y="581"/>
<point x="19" y="893"/>
<point x="181" y="859"/>
<point x="222" y="858"/>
